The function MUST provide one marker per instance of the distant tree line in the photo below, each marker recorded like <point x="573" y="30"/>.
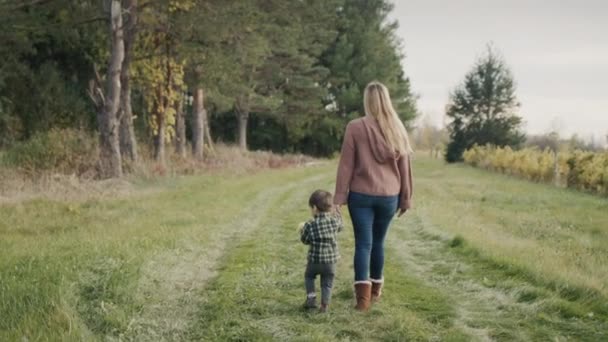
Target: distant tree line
<point x="284" y="75"/>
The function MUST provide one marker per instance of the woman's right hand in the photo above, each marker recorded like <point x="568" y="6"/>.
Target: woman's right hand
<point x="338" y="208"/>
<point x="400" y="212"/>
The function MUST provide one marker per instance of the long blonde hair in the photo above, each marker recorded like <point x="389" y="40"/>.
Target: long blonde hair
<point x="377" y="103"/>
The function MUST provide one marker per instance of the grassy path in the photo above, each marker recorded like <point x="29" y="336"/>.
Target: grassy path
<point x="217" y="258"/>
<point x="129" y="268"/>
<point x="259" y="291"/>
<point x="171" y="280"/>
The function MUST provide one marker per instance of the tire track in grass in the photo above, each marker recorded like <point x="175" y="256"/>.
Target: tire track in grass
<point x="258" y="293"/>
<point x="171" y="281"/>
<point x="283" y="204"/>
<point x="483" y="311"/>
<point x="493" y="301"/>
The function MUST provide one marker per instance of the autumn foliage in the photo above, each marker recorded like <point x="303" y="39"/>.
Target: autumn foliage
<point x="576" y="169"/>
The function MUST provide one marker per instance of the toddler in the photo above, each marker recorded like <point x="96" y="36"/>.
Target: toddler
<point x="320" y="233"/>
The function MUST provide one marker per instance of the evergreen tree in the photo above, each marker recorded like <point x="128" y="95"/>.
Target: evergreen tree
<point x="299" y="33"/>
<point x="366" y="49"/>
<point x="483" y="108"/>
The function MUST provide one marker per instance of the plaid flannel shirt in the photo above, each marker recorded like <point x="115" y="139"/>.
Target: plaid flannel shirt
<point x="321" y="234"/>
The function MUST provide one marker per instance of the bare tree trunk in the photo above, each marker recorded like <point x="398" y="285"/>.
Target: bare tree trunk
<point x="207" y="131"/>
<point x="161" y="111"/>
<point x="243" y="119"/>
<point x="242" y="116"/>
<point x="159" y="140"/>
<point x="128" y="142"/>
<point x="198" y="123"/>
<point x="180" y="128"/>
<point x="110" y="159"/>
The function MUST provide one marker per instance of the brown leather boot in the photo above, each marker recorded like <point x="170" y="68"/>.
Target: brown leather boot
<point x="363" y="293"/>
<point x="377" y="289"/>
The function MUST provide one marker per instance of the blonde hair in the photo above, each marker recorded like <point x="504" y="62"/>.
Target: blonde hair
<point x="377" y="104"/>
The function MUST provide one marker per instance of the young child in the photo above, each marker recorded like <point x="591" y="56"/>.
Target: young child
<point x="321" y="234"/>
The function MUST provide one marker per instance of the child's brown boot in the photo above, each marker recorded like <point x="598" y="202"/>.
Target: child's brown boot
<point x="323" y="308"/>
<point x="363" y="293"/>
<point x="377" y="289"/>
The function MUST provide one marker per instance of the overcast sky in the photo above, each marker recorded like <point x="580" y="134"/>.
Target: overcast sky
<point x="557" y="51"/>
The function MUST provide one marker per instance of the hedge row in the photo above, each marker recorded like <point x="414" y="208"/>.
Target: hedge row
<point x="575" y="169"/>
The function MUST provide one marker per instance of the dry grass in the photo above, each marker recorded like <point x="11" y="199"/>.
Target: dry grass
<point x="232" y="158"/>
<point x="17" y="185"/>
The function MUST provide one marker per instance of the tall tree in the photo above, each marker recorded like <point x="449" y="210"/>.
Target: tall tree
<point x="128" y="142"/>
<point x="294" y="65"/>
<point x="365" y="49"/>
<point x="314" y="67"/>
<point x="180" y="126"/>
<point x="198" y="124"/>
<point x="483" y="108"/>
<point x="110" y="158"/>
<point x="160" y="69"/>
<point x="252" y="92"/>
<point x="277" y="75"/>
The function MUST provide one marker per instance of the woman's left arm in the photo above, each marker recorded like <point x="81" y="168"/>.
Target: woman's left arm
<point x="407" y="186"/>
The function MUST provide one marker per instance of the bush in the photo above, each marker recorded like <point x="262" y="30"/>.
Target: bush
<point x="580" y="170"/>
<point x="588" y="171"/>
<point x="65" y="151"/>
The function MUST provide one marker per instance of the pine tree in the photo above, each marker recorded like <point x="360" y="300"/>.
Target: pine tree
<point x="366" y="49"/>
<point x="483" y="108"/>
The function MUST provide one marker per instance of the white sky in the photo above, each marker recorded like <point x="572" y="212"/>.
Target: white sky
<point x="557" y="51"/>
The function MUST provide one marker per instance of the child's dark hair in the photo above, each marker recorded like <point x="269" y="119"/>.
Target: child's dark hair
<point x="322" y="200"/>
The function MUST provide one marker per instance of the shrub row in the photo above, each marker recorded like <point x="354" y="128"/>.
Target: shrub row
<point x="575" y="169"/>
<point x="75" y="152"/>
<point x="65" y="151"/>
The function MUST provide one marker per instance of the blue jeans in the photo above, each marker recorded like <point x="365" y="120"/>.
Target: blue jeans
<point x="371" y="217"/>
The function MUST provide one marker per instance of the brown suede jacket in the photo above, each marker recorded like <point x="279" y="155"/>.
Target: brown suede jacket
<point x="369" y="166"/>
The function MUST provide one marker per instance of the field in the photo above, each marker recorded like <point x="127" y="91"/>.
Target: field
<point x="217" y="257"/>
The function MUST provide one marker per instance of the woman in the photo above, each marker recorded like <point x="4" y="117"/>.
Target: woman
<point x="375" y="180"/>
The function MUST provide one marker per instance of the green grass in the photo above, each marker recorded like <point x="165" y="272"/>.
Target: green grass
<point x="259" y="292"/>
<point x="556" y="233"/>
<point x="217" y="257"/>
<point x="69" y="270"/>
<point x="487" y="237"/>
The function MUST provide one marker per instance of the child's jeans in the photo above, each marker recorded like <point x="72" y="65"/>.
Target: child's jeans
<point x="327" y="272"/>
